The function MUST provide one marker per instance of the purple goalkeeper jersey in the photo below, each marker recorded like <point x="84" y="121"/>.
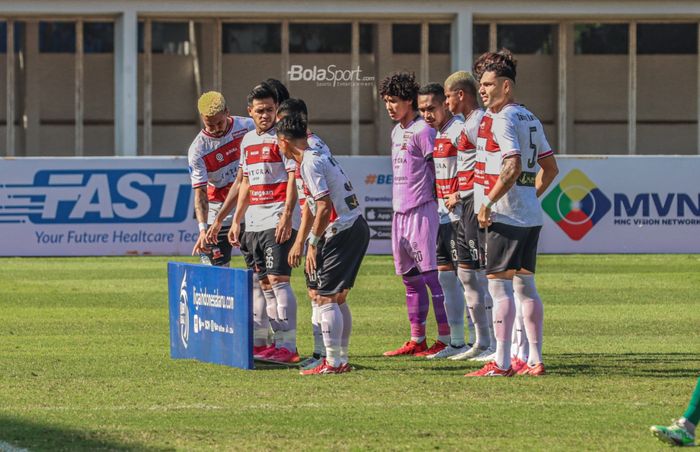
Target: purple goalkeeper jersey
<point x="414" y="171"/>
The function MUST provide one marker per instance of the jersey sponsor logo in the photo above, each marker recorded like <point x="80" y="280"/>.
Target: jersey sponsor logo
<point x="268" y="193"/>
<point x="98" y="196"/>
<point x="576" y="204"/>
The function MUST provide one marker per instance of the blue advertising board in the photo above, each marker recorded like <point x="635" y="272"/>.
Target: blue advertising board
<point x="211" y="314"/>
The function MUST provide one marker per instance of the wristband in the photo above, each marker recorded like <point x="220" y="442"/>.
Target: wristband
<point x="202" y="227"/>
<point x="313" y="239"/>
<point x="490" y="203"/>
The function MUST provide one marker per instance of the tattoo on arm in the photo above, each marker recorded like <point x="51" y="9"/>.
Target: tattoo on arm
<point x="201" y="205"/>
<point x="510" y="170"/>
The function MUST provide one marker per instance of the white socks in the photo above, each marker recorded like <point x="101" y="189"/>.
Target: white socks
<point x="533" y="314"/>
<point x="261" y="323"/>
<point x="474" y="292"/>
<point x="286" y="314"/>
<point x="347" y="329"/>
<point x="488" y="303"/>
<point x="454" y="305"/>
<point x="504" y="316"/>
<point x="319" y="348"/>
<point x="332" y="329"/>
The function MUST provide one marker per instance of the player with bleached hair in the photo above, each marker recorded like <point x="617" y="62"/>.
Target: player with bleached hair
<point x="213" y="161"/>
<point x="461" y="93"/>
<point x="415" y="223"/>
<point x="336" y="215"/>
<point x="514" y="165"/>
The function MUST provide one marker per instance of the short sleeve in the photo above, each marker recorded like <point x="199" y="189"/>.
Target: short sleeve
<point x="505" y="135"/>
<point x="290" y="165"/>
<point x="543" y="147"/>
<point x="196" y="166"/>
<point x="314" y="175"/>
<point x="425" y="141"/>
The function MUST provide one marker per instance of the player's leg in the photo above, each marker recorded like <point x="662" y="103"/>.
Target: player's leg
<point x="532" y="307"/>
<point x="505" y="248"/>
<point x="474" y="292"/>
<point x="452" y="288"/>
<point x="417" y="301"/>
<point x="423" y="227"/>
<point x="262" y="345"/>
<point x="342" y="256"/>
<point x="682" y="431"/>
<point x="319" y="352"/>
<point x="279" y="272"/>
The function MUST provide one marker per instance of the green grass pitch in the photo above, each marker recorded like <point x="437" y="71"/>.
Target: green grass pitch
<point x="84" y="365"/>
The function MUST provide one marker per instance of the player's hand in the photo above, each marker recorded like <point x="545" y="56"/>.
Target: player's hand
<point x="294" y="257"/>
<point x="451" y="201"/>
<point x="284" y="229"/>
<point x="213" y="232"/>
<point x="200" y="246"/>
<point x="233" y="234"/>
<point x="484" y="217"/>
<point x="311" y="260"/>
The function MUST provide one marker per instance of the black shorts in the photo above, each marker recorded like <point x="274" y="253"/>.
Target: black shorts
<point x="447" y="244"/>
<point x="264" y="255"/>
<point x="312" y="279"/>
<point x="220" y="254"/>
<point x="511" y="248"/>
<point x="470" y="248"/>
<point x="342" y="256"/>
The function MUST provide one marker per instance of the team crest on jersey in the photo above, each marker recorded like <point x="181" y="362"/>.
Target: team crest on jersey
<point x="219" y="157"/>
<point x="266" y="151"/>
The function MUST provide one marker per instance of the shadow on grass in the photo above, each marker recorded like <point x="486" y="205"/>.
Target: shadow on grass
<point x="33" y="436"/>
<point x="648" y="365"/>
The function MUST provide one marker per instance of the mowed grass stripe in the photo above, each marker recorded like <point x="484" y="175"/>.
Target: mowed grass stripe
<point x="85" y="365"/>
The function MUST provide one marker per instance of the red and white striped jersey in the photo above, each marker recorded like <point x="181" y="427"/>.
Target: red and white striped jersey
<point x="467" y="152"/>
<point x="267" y="170"/>
<point x="213" y="161"/>
<point x="316" y="144"/>
<point x="514" y="131"/>
<point x="323" y="176"/>
<point x="445" y="158"/>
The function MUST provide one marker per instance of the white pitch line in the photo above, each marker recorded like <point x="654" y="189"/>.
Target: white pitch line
<point x="7" y="447"/>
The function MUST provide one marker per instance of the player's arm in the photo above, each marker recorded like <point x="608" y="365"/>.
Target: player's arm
<point x="545" y="177"/>
<point x="241" y="207"/>
<point x="324" y="208"/>
<point x="284" y="228"/>
<point x="297" y="249"/>
<point x="201" y="210"/>
<point x="226" y="208"/>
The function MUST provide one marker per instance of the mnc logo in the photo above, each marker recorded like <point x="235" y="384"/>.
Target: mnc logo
<point x="576" y="204"/>
<point x="98" y="196"/>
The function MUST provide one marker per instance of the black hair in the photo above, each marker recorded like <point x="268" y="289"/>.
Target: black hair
<point x="262" y="91"/>
<point x="502" y="63"/>
<point x="281" y="90"/>
<point x="292" y="126"/>
<point x="293" y="106"/>
<point x="435" y="89"/>
<point x="402" y="85"/>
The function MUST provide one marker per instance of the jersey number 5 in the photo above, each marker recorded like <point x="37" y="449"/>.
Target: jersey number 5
<point x="533" y="160"/>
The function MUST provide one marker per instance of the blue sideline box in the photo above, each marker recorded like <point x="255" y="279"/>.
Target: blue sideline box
<point x="211" y="314"/>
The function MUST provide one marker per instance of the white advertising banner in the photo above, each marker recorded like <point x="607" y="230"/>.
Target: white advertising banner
<point x="117" y="206"/>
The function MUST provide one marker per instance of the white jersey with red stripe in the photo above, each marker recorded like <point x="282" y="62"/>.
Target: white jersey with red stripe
<point x="213" y="162"/>
<point x="316" y="144"/>
<point x="267" y="170"/>
<point x="323" y="176"/>
<point x="445" y="158"/>
<point x="514" y="131"/>
<point x="466" y="156"/>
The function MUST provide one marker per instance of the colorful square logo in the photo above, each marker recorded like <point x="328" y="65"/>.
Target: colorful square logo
<point x="576" y="204"/>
